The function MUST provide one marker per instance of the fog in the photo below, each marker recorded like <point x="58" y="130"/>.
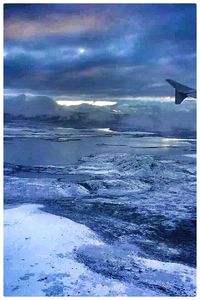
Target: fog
<point x="147" y="115"/>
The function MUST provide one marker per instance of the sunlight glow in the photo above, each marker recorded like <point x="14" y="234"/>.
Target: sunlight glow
<point x="81" y="50"/>
<point x="105" y="129"/>
<point x="78" y="102"/>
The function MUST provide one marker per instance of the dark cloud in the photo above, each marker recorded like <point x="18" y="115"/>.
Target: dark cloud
<point x="99" y="50"/>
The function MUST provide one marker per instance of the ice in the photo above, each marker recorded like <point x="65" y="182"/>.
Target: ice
<point x="141" y="208"/>
<point x="133" y="173"/>
<point x="42" y="188"/>
<point x="10" y="168"/>
<point x="62" y="134"/>
<point x="123" y="261"/>
<point x="190" y="155"/>
<point x="115" y="187"/>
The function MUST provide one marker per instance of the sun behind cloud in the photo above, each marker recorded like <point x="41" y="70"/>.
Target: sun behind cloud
<point x="79" y="102"/>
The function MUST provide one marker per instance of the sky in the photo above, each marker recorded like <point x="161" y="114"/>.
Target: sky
<point x="98" y="51"/>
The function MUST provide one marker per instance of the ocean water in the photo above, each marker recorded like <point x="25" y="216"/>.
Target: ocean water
<point x="135" y="190"/>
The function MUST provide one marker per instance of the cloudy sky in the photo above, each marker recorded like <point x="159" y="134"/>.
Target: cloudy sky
<point x="98" y="51"/>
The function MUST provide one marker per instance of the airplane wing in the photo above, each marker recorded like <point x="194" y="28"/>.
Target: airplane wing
<point x="181" y="91"/>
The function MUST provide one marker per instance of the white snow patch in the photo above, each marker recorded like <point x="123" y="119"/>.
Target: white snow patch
<point x="190" y="155"/>
<point x="39" y="257"/>
<point x="168" y="273"/>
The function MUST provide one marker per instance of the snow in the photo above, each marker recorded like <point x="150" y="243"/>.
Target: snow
<point x="124" y="262"/>
<point x="40" y="257"/>
<point x="142" y="206"/>
<point x="42" y="188"/>
<point x="190" y="155"/>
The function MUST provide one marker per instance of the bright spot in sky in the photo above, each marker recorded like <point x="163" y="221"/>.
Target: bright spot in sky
<point x="76" y="102"/>
<point x="81" y="50"/>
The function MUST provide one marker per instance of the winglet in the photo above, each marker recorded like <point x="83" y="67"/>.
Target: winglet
<point x="181" y="91"/>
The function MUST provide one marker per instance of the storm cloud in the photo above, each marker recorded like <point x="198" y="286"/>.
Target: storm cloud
<point x="98" y="50"/>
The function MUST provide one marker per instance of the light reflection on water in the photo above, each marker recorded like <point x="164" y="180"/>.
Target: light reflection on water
<point x="29" y="144"/>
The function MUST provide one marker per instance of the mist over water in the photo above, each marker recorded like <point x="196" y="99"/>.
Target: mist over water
<point x="147" y="115"/>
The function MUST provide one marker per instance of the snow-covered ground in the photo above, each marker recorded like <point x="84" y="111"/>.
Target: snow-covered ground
<point x="97" y="212"/>
<point x="40" y="251"/>
<point x="40" y="259"/>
